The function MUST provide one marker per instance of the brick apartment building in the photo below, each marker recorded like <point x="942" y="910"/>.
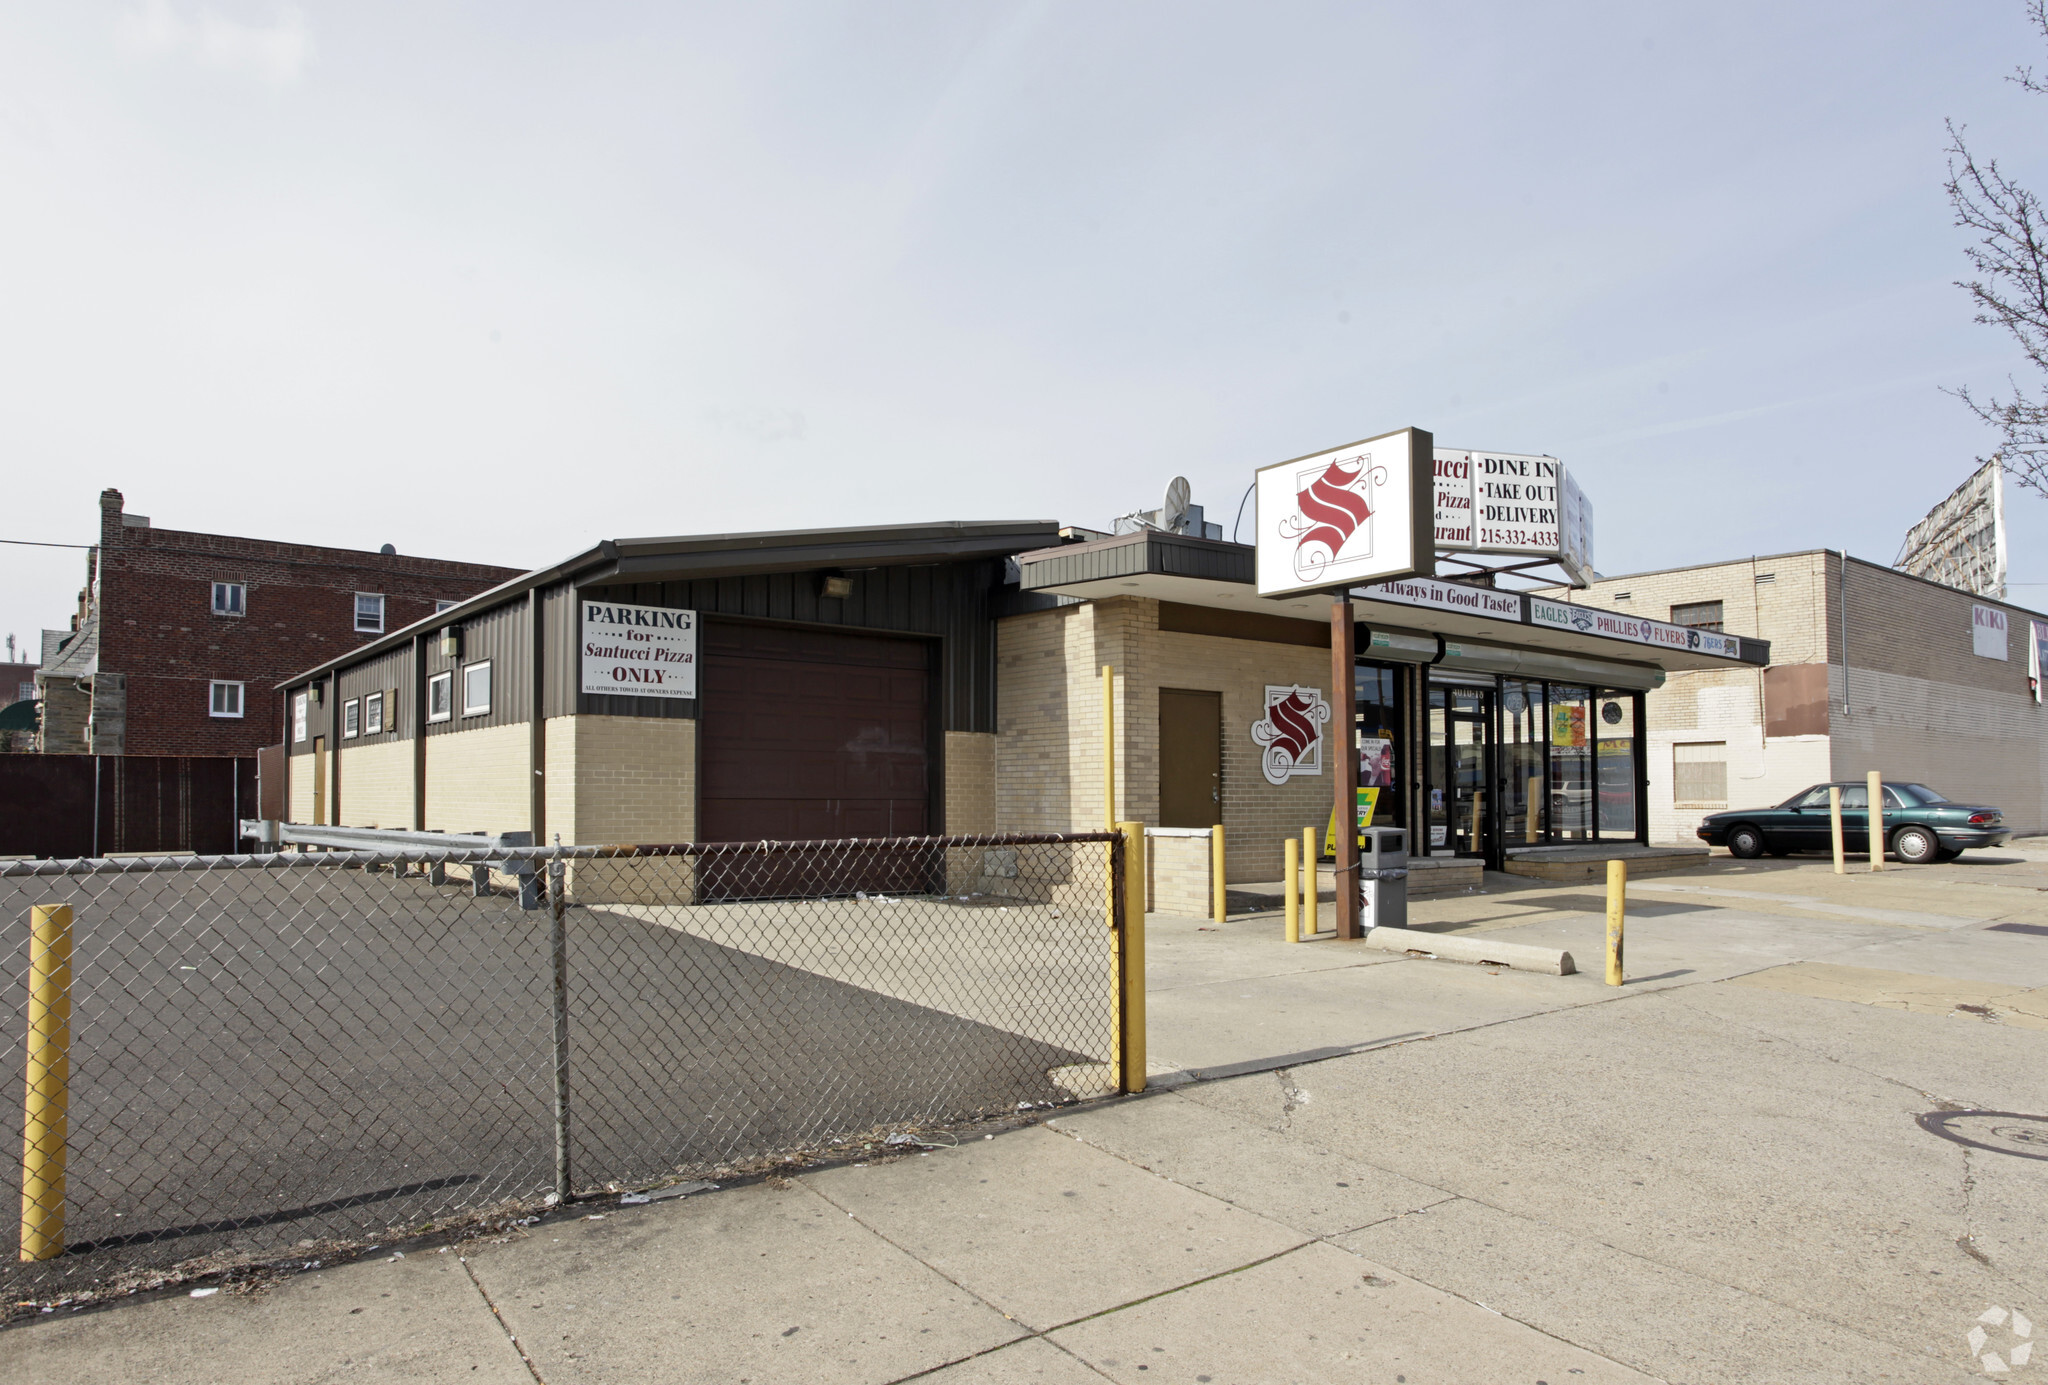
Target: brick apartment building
<point x="180" y="637"/>
<point x="1871" y="669"/>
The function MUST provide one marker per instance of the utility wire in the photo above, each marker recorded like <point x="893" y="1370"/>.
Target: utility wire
<point x="38" y="543"/>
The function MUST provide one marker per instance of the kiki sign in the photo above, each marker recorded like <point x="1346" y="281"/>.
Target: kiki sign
<point x="639" y="651"/>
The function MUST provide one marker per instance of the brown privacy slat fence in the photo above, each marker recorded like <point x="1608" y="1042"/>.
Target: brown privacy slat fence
<point x="335" y="1047"/>
<point x="66" y="806"/>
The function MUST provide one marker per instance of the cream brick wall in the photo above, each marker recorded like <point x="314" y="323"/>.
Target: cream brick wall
<point x="970" y="783"/>
<point x="376" y="785"/>
<point x="299" y="774"/>
<point x="1177" y="868"/>
<point x="1049" y="725"/>
<point x="621" y="779"/>
<point x="477" y="780"/>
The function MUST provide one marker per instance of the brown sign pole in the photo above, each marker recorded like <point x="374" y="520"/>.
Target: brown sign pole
<point x="1342" y="739"/>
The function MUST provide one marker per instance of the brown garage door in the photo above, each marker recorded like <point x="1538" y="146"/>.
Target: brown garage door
<point x="810" y="734"/>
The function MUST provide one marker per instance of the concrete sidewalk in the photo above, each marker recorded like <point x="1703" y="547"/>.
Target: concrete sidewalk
<point x="1716" y="1173"/>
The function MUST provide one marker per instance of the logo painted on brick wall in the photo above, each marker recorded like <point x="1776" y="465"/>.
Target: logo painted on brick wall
<point x="1291" y="733"/>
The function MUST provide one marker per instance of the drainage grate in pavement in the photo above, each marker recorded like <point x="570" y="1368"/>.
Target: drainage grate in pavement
<point x="2018" y="928"/>
<point x="2001" y="1132"/>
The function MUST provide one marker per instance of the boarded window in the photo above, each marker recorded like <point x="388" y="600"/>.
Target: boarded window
<point x="1699" y="772"/>
<point x="1700" y="615"/>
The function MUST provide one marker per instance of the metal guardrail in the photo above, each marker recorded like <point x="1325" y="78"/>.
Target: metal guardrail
<point x="270" y="832"/>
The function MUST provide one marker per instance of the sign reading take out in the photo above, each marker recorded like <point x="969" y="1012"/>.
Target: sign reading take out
<point x="639" y="651"/>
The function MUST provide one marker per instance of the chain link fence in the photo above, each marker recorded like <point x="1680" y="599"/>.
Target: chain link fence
<point x="272" y="1052"/>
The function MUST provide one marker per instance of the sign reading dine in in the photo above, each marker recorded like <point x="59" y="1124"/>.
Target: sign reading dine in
<point x="639" y="651"/>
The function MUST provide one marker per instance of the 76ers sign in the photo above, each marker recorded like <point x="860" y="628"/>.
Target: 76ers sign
<point x="1291" y="736"/>
<point x="1361" y="513"/>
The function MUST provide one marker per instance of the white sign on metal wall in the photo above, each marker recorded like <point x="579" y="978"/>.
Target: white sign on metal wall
<point x="1988" y="632"/>
<point x="639" y="651"/>
<point x="1358" y="513"/>
<point x="1290" y="735"/>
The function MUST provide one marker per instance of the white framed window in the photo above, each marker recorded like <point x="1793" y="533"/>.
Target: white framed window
<point x="224" y="699"/>
<point x="1699" y="773"/>
<point x="440" y="606"/>
<point x="369" y="613"/>
<point x="230" y="598"/>
<point x="440" y="696"/>
<point x="476" y="689"/>
<point x="373" y="714"/>
<point x="351" y="719"/>
<point x="298" y="717"/>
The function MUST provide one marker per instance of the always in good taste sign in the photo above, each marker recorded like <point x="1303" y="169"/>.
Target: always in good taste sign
<point x="639" y="651"/>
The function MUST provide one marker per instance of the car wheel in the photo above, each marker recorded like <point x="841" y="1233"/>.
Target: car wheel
<point x="1746" y="843"/>
<point x="1916" y="846"/>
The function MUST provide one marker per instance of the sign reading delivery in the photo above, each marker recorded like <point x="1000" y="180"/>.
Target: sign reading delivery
<point x="639" y="651"/>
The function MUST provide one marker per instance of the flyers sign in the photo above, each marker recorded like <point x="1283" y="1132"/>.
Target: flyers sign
<point x="639" y="651"/>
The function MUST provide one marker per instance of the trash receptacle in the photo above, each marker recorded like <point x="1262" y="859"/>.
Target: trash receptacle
<point x="1383" y="871"/>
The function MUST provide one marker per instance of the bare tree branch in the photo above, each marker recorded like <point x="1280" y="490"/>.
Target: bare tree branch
<point x="2010" y="258"/>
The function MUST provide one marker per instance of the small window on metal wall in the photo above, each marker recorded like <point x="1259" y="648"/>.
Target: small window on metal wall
<point x="440" y="696"/>
<point x="476" y="689"/>
<point x="351" y="719"/>
<point x="373" y="714"/>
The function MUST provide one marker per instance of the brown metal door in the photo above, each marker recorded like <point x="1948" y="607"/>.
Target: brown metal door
<point x="808" y="735"/>
<point x="1190" y="758"/>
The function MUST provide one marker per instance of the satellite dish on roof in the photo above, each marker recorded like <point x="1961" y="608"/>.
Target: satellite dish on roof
<point x="1173" y="513"/>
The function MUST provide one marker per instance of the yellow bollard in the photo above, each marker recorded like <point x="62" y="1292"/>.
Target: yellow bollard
<point x="1874" y="833"/>
<point x="1293" y="888"/>
<point x="45" y="1127"/>
<point x="1835" y="827"/>
<point x="1221" y="895"/>
<point x="1109" y="747"/>
<point x="1131" y="964"/>
<point x="1617" y="901"/>
<point x="1311" y="920"/>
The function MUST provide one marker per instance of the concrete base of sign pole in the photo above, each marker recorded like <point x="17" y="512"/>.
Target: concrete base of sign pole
<point x="1451" y="947"/>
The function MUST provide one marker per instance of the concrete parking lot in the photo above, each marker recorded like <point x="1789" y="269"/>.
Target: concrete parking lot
<point x="1763" y="1159"/>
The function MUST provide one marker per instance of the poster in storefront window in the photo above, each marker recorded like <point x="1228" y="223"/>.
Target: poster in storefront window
<point x="1376" y="762"/>
<point x="1568" y="724"/>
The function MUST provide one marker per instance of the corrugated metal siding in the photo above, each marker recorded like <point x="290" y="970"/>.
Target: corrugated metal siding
<point x="501" y="636"/>
<point x="387" y="673"/>
<point x="952" y="600"/>
<point x="558" y="632"/>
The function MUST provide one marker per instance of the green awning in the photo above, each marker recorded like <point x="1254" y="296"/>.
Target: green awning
<point x="19" y="717"/>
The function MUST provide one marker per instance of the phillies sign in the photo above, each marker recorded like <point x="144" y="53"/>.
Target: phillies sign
<point x="1364" y="512"/>
<point x="639" y="651"/>
<point x="1291" y="735"/>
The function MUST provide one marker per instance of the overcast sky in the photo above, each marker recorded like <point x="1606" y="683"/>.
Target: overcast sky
<point x="493" y="281"/>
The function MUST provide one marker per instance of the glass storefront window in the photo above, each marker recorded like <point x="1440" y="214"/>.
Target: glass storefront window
<point x="1379" y="745"/>
<point x="1614" y="733"/>
<point x="1571" y="763"/>
<point x="1522" y="723"/>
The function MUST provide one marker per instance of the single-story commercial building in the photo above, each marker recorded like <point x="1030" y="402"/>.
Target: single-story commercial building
<point x="946" y="678"/>
<point x="1871" y="669"/>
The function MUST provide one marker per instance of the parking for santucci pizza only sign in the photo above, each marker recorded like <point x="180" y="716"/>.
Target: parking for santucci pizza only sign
<point x="639" y="651"/>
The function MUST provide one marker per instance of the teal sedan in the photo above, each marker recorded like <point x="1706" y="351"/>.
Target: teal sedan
<point x="1920" y="825"/>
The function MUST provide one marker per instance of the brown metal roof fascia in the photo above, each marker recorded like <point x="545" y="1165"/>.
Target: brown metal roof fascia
<point x="1129" y="555"/>
<point x="745" y="555"/>
<point x="482" y="601"/>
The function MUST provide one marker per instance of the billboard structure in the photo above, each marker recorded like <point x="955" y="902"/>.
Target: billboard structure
<point x="1511" y="505"/>
<point x="1961" y="542"/>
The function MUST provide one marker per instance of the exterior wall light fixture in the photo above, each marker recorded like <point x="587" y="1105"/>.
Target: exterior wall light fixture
<point x="838" y="587"/>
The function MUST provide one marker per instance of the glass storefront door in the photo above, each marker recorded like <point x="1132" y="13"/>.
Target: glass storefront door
<point x="1460" y="745"/>
<point x="1521" y="796"/>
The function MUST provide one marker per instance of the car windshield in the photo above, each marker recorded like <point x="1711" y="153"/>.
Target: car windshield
<point x="1919" y="793"/>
